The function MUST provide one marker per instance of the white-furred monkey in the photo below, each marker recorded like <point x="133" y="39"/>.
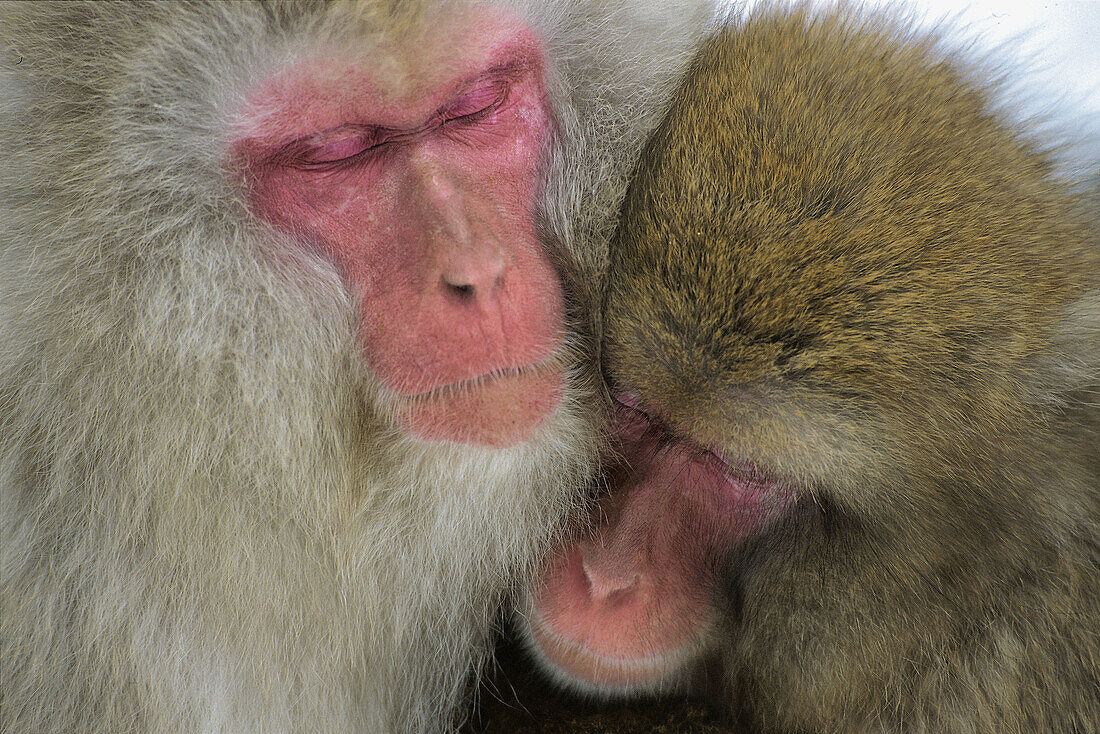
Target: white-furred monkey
<point x="290" y="298"/>
<point x="853" y="326"/>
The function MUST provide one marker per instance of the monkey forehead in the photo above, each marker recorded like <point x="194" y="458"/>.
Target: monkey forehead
<point x="394" y="80"/>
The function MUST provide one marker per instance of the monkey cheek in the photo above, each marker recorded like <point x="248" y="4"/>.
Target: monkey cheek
<point x="645" y="638"/>
<point x="498" y="412"/>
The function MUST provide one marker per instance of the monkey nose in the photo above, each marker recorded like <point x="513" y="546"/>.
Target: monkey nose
<point x="607" y="582"/>
<point x="473" y="277"/>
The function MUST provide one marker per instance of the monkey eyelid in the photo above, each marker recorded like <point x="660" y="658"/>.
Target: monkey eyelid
<point x="336" y="146"/>
<point x="476" y="102"/>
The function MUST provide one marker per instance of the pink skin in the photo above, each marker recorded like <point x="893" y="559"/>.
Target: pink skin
<point x="420" y="183"/>
<point x="629" y="607"/>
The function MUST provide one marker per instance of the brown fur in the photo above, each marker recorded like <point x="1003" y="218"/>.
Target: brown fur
<point x="206" y="523"/>
<point x="839" y="261"/>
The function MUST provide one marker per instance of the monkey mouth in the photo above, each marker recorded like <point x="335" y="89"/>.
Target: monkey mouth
<point x="484" y="380"/>
<point x="577" y="664"/>
<point x="500" y="408"/>
<point x="641" y="636"/>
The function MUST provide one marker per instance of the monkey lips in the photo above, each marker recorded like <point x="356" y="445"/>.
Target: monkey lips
<point x="509" y="406"/>
<point x="628" y="606"/>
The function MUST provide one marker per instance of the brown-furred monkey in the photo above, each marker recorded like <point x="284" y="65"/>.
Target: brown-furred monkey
<point x="853" y="328"/>
<point x="291" y="302"/>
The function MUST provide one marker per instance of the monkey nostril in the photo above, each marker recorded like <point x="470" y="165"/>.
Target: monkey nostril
<point x="464" y="292"/>
<point x="470" y="287"/>
<point x="469" y="277"/>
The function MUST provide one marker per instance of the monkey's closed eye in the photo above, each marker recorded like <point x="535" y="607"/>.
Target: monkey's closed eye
<point x="476" y="104"/>
<point x="633" y="418"/>
<point x="336" y="146"/>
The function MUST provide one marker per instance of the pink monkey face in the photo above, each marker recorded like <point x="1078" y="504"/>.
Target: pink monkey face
<point x="421" y="185"/>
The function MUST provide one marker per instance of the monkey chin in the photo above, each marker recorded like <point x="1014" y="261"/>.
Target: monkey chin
<point x="497" y="410"/>
<point x="638" y="641"/>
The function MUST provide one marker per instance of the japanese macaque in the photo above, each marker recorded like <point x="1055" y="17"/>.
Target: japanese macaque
<point x="294" y="307"/>
<point x="852" y="331"/>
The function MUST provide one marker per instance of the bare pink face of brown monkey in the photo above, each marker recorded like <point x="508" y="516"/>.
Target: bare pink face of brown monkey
<point x="419" y="181"/>
<point x="630" y="605"/>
